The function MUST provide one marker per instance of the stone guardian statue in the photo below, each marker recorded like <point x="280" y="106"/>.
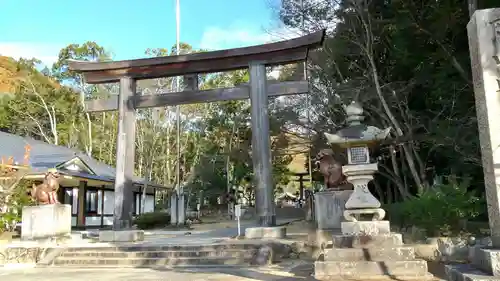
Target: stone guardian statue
<point x="46" y="192"/>
<point x="331" y="169"/>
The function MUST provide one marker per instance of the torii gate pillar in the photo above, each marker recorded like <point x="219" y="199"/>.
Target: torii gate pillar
<point x="125" y="145"/>
<point x="261" y="147"/>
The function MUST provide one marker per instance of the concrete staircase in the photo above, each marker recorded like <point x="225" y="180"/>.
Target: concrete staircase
<point x="158" y="256"/>
<point x="375" y="257"/>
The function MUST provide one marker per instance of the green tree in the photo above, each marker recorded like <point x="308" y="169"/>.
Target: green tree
<point x="88" y="51"/>
<point x="408" y="63"/>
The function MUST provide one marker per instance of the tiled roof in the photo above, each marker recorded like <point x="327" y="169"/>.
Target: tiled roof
<point x="44" y="156"/>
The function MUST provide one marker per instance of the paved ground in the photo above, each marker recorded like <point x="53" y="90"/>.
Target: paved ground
<point x="275" y="273"/>
<point x="208" y="233"/>
<point x="200" y="234"/>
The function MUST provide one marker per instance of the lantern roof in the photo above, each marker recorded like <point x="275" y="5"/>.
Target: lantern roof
<point x="357" y="133"/>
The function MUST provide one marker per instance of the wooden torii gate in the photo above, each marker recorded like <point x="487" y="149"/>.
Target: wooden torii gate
<point x="254" y="58"/>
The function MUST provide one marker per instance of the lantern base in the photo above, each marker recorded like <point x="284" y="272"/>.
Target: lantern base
<point x="354" y="214"/>
<point x="360" y="176"/>
<point x="365" y="228"/>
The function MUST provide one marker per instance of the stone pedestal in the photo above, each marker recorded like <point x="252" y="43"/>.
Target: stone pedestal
<point x="359" y="256"/>
<point x="121" y="236"/>
<point x="367" y="249"/>
<point x="366" y="228"/>
<point x="265" y="232"/>
<point x="360" y="176"/>
<point x="329" y="208"/>
<point x="45" y="221"/>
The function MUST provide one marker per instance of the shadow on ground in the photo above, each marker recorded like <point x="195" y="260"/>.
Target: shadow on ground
<point x="302" y="272"/>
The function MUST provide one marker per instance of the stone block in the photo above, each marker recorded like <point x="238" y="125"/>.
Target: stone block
<point x="369" y="269"/>
<point x="264" y="256"/>
<point x="265" y="232"/>
<point x="121" y="236"/>
<point x="46" y="221"/>
<point x="329" y="208"/>
<point x="427" y="252"/>
<point x="367" y="241"/>
<point x="487" y="260"/>
<point x="366" y="227"/>
<point x="370" y="254"/>
<point x="467" y="272"/>
<point x="452" y="249"/>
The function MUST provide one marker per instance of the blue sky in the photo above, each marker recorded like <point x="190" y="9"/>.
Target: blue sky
<point x="40" y="28"/>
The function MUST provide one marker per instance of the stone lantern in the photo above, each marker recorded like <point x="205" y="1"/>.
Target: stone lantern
<point x="366" y="249"/>
<point x="358" y="138"/>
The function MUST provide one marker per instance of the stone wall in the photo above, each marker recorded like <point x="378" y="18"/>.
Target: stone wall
<point x="442" y="249"/>
<point x="20" y="255"/>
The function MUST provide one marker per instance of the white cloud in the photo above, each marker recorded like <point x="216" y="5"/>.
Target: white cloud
<point x="215" y="38"/>
<point x="46" y="52"/>
<point x="234" y="36"/>
<point x="237" y="35"/>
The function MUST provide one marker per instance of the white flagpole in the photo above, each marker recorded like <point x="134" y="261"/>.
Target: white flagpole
<point x="178" y="111"/>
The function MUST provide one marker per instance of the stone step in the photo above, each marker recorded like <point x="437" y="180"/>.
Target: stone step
<point x="368" y="241"/>
<point x="428" y="277"/>
<point x="158" y="254"/>
<point x="467" y="272"/>
<point x="370" y="254"/>
<point x="157" y="248"/>
<point x="151" y="262"/>
<point x="373" y="269"/>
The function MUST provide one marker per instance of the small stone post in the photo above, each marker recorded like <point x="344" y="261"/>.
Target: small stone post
<point x="173" y="208"/>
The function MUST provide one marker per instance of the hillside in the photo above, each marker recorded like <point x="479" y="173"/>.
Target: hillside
<point x="12" y="73"/>
<point x="8" y="79"/>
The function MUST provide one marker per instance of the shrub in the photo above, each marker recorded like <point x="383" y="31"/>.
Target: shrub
<point x="11" y="209"/>
<point x="152" y="220"/>
<point x="441" y="210"/>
